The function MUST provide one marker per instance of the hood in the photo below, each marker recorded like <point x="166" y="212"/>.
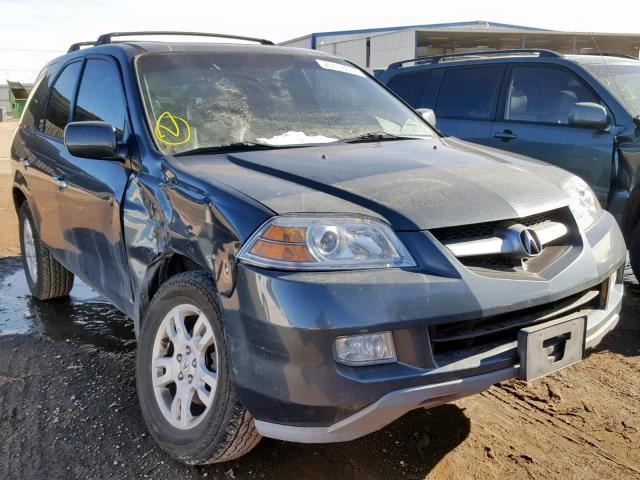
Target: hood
<point x="411" y="184"/>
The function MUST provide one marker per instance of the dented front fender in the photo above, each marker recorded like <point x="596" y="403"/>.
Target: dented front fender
<point x="178" y="216"/>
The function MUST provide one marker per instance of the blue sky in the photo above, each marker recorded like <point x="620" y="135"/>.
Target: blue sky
<point x="34" y="31"/>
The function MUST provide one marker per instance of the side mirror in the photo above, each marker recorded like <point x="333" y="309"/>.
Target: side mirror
<point x="429" y="115"/>
<point x="95" y="140"/>
<point x="589" y="115"/>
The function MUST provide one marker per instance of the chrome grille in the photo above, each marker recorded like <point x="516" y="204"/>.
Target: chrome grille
<point x="459" y="238"/>
<point x="480" y="230"/>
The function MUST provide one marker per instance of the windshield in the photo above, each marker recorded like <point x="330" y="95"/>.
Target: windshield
<point x="201" y="101"/>
<point x="622" y="80"/>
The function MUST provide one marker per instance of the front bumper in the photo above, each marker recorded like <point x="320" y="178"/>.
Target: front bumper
<point x="281" y="327"/>
<point x="395" y="404"/>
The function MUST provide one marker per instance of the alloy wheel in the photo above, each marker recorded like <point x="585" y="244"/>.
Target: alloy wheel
<point x="184" y="366"/>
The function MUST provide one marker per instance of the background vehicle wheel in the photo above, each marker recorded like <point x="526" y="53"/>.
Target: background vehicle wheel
<point x="634" y="252"/>
<point x="183" y="375"/>
<point x="46" y="277"/>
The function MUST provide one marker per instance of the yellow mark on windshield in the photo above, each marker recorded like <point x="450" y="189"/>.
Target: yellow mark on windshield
<point x="172" y="130"/>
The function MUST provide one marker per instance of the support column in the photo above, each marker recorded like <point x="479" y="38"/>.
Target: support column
<point x="523" y="41"/>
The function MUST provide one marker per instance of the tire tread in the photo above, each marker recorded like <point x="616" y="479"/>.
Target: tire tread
<point x="54" y="280"/>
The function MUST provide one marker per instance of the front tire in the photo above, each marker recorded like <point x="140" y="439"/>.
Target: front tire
<point x="46" y="277"/>
<point x="184" y="378"/>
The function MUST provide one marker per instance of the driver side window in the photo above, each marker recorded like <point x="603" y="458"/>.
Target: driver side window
<point x="544" y="95"/>
<point x="100" y="97"/>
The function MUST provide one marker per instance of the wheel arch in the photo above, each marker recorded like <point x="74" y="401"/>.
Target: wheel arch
<point x="20" y="190"/>
<point x="18" y="198"/>
<point x="157" y="273"/>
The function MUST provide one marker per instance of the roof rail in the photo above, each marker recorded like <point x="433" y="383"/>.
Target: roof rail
<point x="480" y="53"/>
<point x="609" y="54"/>
<point x="76" y="46"/>
<point x="106" y="38"/>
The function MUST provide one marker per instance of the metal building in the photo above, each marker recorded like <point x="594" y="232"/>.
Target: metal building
<point x="378" y="47"/>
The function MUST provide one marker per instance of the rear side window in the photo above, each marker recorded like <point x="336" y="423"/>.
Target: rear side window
<point x="37" y="96"/>
<point x="409" y="86"/>
<point x="100" y="97"/>
<point x="469" y="93"/>
<point x="544" y="94"/>
<point x="59" y="104"/>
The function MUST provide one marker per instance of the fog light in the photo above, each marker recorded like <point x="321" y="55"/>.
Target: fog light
<point x="367" y="349"/>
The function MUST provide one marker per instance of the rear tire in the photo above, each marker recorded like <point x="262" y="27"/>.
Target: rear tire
<point x="182" y="359"/>
<point x="46" y="277"/>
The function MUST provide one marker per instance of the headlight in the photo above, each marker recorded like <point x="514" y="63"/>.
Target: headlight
<point x="321" y="243"/>
<point x="583" y="202"/>
<point x="367" y="349"/>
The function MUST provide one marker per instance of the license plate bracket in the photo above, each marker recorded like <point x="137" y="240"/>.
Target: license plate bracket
<point x="551" y="346"/>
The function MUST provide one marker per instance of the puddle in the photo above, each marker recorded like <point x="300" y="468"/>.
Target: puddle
<point x="83" y="317"/>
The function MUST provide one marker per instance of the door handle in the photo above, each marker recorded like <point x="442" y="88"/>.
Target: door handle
<point x="24" y="162"/>
<point x="506" y="135"/>
<point x="60" y="182"/>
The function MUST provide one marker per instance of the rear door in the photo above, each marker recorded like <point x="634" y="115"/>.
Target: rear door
<point x="94" y="246"/>
<point x="46" y="154"/>
<point x="466" y="101"/>
<point x="533" y="121"/>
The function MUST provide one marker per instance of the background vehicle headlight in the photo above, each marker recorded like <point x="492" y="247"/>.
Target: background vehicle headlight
<point x="321" y="243"/>
<point x="583" y="202"/>
<point x="367" y="349"/>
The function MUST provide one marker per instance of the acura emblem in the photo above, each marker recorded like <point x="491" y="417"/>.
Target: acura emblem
<point x="530" y="242"/>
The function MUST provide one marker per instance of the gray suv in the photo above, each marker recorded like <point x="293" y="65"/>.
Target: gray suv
<point x="302" y="255"/>
<point x="579" y="112"/>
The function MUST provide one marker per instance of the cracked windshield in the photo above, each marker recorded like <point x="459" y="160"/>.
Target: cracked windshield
<point x="208" y="102"/>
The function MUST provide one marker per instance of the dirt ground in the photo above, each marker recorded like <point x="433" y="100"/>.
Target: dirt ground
<point x="68" y="407"/>
<point x="8" y="221"/>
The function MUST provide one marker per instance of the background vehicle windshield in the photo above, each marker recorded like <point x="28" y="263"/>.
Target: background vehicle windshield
<point x="623" y="81"/>
<point x="197" y="100"/>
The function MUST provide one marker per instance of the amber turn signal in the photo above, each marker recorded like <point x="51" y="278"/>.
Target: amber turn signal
<point x="283" y="243"/>
<point x="278" y="233"/>
<point x="282" y="251"/>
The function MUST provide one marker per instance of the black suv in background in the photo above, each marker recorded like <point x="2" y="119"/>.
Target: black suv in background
<point x="579" y="112"/>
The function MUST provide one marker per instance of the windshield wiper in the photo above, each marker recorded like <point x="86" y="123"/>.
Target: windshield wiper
<point x="375" y="137"/>
<point x="230" y="147"/>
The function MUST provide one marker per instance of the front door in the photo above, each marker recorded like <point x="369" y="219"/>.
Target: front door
<point x="535" y="122"/>
<point x="91" y="212"/>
